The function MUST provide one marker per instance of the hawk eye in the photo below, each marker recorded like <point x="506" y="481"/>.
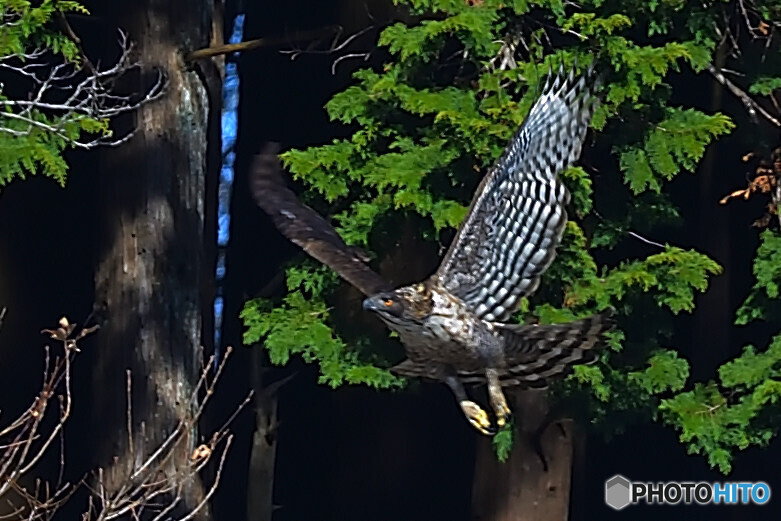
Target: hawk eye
<point x="388" y="302"/>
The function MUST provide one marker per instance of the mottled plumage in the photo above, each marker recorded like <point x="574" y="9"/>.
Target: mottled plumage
<point x="451" y="324"/>
<point x="518" y="213"/>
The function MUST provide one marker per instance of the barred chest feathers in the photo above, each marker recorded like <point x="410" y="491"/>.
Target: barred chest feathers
<point x="449" y="319"/>
<point x="445" y="330"/>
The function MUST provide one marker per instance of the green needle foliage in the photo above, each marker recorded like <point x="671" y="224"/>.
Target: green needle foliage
<point x="742" y="408"/>
<point x="39" y="123"/>
<point x="455" y="83"/>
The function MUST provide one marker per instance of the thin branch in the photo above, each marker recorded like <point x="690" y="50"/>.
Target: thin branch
<point x="70" y="33"/>
<point x="129" y="415"/>
<point x="28" y="442"/>
<point x="269" y="41"/>
<point x="751" y="106"/>
<point x="154" y="488"/>
<point x="64" y="96"/>
<point x="216" y="482"/>
<point x="632" y="234"/>
<point x="363" y="55"/>
<point x="643" y="239"/>
<point x="335" y="47"/>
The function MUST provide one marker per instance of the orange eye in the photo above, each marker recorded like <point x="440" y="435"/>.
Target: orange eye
<point x="388" y="302"/>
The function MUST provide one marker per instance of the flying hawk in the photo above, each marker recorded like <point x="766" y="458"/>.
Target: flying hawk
<point x="454" y="324"/>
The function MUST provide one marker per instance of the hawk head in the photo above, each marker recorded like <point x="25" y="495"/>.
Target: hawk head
<point x="403" y="304"/>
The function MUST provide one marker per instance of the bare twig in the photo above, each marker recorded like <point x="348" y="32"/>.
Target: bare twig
<point x="634" y="235"/>
<point x="505" y="58"/>
<point x="129" y="415"/>
<point x="63" y="96"/>
<point x="270" y="41"/>
<point x="751" y="106"/>
<point x="643" y="239"/>
<point x="27" y="439"/>
<point x="70" y="33"/>
<point x="751" y="30"/>
<point x="155" y="487"/>
<point x="335" y="47"/>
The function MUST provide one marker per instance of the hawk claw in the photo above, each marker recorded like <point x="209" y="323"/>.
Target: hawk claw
<point x="499" y="405"/>
<point x="477" y="417"/>
<point x="503" y="416"/>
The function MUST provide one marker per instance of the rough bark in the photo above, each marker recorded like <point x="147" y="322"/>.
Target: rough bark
<point x="520" y="489"/>
<point x="150" y="269"/>
<point x="260" y="493"/>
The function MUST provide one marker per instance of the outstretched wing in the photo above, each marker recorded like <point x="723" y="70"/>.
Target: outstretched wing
<point x="517" y="216"/>
<point x="305" y="227"/>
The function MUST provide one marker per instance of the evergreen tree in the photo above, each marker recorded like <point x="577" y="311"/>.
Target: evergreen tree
<point x="456" y="81"/>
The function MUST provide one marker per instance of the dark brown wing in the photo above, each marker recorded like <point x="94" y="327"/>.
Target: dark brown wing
<point x="305" y="227"/>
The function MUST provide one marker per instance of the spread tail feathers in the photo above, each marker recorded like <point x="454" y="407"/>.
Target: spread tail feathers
<point x="534" y="354"/>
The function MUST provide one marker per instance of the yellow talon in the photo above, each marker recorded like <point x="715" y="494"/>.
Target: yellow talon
<point x="477" y="417"/>
<point x="502" y="414"/>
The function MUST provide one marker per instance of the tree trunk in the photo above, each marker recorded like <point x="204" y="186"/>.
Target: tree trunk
<point x="260" y="493"/>
<point x="714" y="310"/>
<point x="520" y="489"/>
<point x="150" y="270"/>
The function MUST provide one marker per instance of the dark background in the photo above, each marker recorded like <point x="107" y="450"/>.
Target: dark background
<point x="354" y="453"/>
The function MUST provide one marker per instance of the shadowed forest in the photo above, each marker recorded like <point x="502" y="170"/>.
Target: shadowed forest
<point x="674" y="397"/>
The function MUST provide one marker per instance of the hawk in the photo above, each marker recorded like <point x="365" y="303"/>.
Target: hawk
<point x="454" y="325"/>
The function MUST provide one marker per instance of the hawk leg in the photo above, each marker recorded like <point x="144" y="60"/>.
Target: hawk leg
<point x="495" y="394"/>
<point x="473" y="412"/>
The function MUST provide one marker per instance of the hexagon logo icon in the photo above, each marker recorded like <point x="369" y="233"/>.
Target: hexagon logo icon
<point x="617" y="492"/>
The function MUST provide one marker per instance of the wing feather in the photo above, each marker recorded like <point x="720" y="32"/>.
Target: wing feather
<point x="509" y="236"/>
<point x="305" y="227"/>
<point x="535" y="354"/>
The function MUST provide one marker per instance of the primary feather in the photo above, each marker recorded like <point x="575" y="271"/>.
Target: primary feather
<point x="517" y="216"/>
<point x="451" y="324"/>
<point x="305" y="227"/>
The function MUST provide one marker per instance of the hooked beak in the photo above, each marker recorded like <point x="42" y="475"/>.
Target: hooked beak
<point x="370" y="304"/>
